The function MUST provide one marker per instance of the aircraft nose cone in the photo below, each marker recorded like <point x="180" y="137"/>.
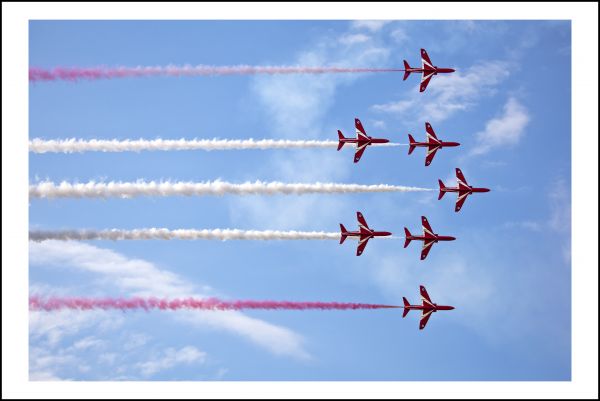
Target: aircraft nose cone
<point x="485" y="190"/>
<point x="451" y="69"/>
<point x="451" y="238"/>
<point x="450" y="307"/>
<point x="386" y="233"/>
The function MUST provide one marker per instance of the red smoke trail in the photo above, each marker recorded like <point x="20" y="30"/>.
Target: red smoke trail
<point x="58" y="303"/>
<point x="94" y="73"/>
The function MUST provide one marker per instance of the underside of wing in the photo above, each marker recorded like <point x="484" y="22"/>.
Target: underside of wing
<point x="425" y="318"/>
<point x="362" y="222"/>
<point x="359" y="152"/>
<point x="360" y="131"/>
<point x="431" y="150"/>
<point x="462" y="197"/>
<point x="362" y="244"/>
<point x="431" y="137"/>
<point x="427" y="230"/>
<point x="425" y="80"/>
<point x="425" y="296"/>
<point x="427" y="245"/>
<point x="460" y="178"/>
<point x="427" y="64"/>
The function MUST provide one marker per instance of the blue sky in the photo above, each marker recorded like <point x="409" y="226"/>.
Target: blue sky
<point x="508" y="274"/>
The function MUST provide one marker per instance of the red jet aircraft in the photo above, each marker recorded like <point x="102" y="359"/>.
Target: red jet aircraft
<point x="364" y="233"/>
<point x="463" y="189"/>
<point x="428" y="307"/>
<point x="428" y="237"/>
<point x="362" y="140"/>
<point x="432" y="144"/>
<point x="428" y="70"/>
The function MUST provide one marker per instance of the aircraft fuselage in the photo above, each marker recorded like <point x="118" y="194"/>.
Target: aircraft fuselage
<point x="470" y="190"/>
<point x="427" y="307"/>
<point x="435" y="238"/>
<point x="370" y="141"/>
<point x="441" y="144"/>
<point x="368" y="234"/>
<point x="436" y="70"/>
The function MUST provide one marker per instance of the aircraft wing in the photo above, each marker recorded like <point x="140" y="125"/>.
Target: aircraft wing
<point x="462" y="197"/>
<point x="431" y="150"/>
<point x="427" y="230"/>
<point x="425" y="296"/>
<point x="460" y="178"/>
<point x="427" y="64"/>
<point x="425" y="80"/>
<point x="362" y="223"/>
<point x="359" y="152"/>
<point x="425" y="318"/>
<point x="427" y="245"/>
<point x="362" y="244"/>
<point x="431" y="137"/>
<point x="360" y="131"/>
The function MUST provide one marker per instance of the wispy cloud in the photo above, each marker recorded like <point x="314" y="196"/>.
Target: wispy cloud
<point x="297" y="106"/>
<point x="142" y="278"/>
<point x="399" y="35"/>
<point x="505" y="130"/>
<point x="170" y="358"/>
<point x="448" y="94"/>
<point x="351" y="39"/>
<point x="371" y="25"/>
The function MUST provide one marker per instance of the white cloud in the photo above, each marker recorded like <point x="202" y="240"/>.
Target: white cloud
<point x="88" y="342"/>
<point x="505" y="130"/>
<point x="108" y="358"/>
<point x="53" y="327"/>
<point x="399" y="35"/>
<point x="379" y="124"/>
<point x="371" y="25"/>
<point x="297" y="106"/>
<point x="135" y="340"/>
<point x="351" y="39"/>
<point x="124" y="274"/>
<point x="171" y="358"/>
<point x="447" y="94"/>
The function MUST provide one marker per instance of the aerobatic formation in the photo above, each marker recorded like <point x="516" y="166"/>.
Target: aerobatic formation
<point x="142" y="188"/>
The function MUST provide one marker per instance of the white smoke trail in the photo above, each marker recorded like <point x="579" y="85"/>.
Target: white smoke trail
<point x="74" y="145"/>
<point x="92" y="189"/>
<point x="166" y="234"/>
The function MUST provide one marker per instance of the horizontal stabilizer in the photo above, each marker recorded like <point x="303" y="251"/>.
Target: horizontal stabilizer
<point x="341" y="140"/>
<point x="442" y="187"/>
<point x="406" y="73"/>
<point x="411" y="142"/>
<point x="407" y="236"/>
<point x="344" y="233"/>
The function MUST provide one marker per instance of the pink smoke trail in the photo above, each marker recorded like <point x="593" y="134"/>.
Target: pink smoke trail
<point x="78" y="303"/>
<point x="94" y="73"/>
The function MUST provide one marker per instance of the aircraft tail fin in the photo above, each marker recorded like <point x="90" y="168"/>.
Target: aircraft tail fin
<point x="407" y="236"/>
<point x="406" y="73"/>
<point x="341" y="140"/>
<point x="411" y="142"/>
<point x="406" y="303"/>
<point x="442" y="187"/>
<point x="344" y="233"/>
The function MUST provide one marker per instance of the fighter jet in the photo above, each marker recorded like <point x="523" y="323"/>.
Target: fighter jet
<point x="463" y="189"/>
<point x="432" y="144"/>
<point x="428" y="307"/>
<point x="428" y="237"/>
<point x="364" y="233"/>
<point x="362" y="140"/>
<point x="428" y="70"/>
